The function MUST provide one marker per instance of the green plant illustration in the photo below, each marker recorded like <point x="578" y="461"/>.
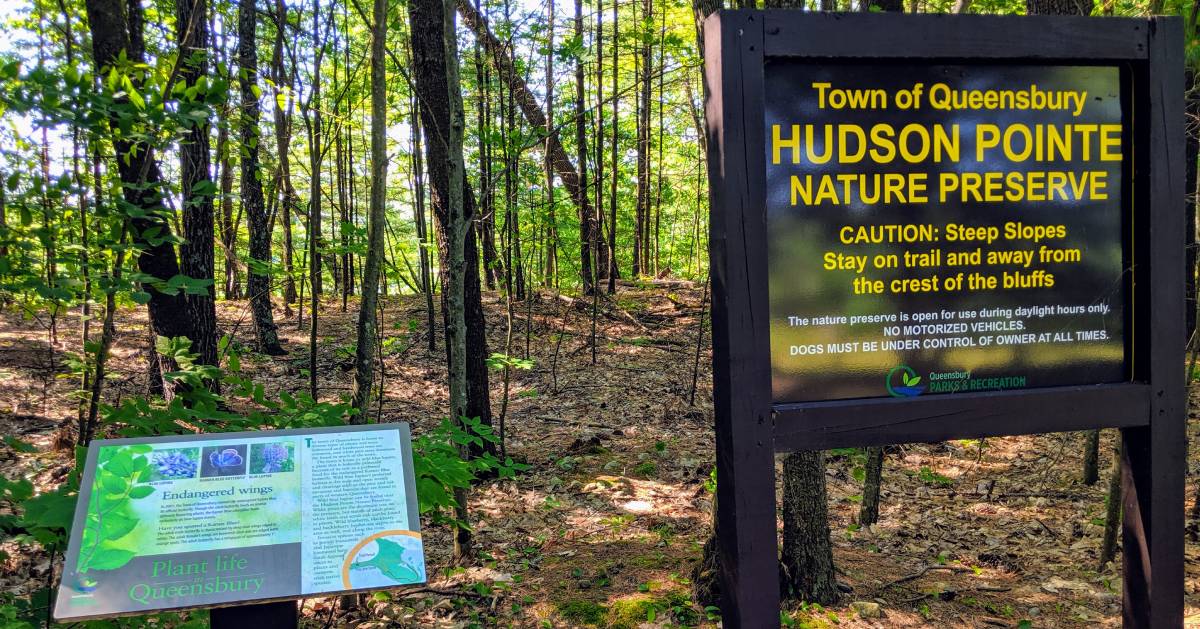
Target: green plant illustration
<point x="120" y="478"/>
<point x="910" y="381"/>
<point x="390" y="561"/>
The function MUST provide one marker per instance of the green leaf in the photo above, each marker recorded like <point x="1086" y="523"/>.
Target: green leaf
<point x="141" y="297"/>
<point x="113" y="484"/>
<point x="115" y="526"/>
<point x="110" y="558"/>
<point x="141" y="491"/>
<point x="121" y="464"/>
<point x="18" y="445"/>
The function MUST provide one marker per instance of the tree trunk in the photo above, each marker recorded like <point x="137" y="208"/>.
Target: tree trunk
<point x="1112" y="516"/>
<point x="586" y="278"/>
<point x="429" y="58"/>
<point x="613" y="273"/>
<point x="283" y="138"/>
<point x="422" y="230"/>
<point x="599" y="245"/>
<point x="314" y="200"/>
<point x="550" y="273"/>
<point x="486" y="221"/>
<point x="258" y="282"/>
<point x="1091" y="458"/>
<point x="116" y="28"/>
<point x="807" y="556"/>
<point x="196" y="253"/>
<point x="364" y="353"/>
<point x="457" y="225"/>
<point x="642" y="208"/>
<point x="869" y="513"/>
<point x="233" y="288"/>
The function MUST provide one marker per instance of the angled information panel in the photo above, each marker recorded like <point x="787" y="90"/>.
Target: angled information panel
<point x="944" y="228"/>
<point x="218" y="519"/>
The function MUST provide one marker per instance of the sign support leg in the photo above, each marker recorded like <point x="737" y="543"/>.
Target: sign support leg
<point x="1154" y="457"/>
<point x="277" y="615"/>
<point x="746" y="528"/>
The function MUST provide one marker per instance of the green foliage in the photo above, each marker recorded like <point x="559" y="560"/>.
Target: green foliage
<point x="504" y="361"/>
<point x="580" y="612"/>
<point x="440" y="468"/>
<point x="928" y="476"/>
<point x="121" y="477"/>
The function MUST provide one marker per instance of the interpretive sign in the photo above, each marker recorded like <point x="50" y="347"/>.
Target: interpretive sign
<point x="943" y="228"/>
<point x="930" y="227"/>
<point x="217" y="519"/>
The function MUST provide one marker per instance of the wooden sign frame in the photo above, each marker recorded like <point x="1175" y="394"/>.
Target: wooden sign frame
<point x="1149" y="408"/>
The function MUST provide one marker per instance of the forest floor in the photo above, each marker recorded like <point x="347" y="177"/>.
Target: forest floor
<point x="606" y="526"/>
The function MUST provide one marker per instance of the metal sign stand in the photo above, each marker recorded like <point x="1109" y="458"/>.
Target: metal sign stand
<point x="277" y="615"/>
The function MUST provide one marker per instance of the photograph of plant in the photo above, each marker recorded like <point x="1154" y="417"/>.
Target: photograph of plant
<point x="223" y="461"/>
<point x="174" y="463"/>
<point x="269" y="458"/>
<point x="120" y="478"/>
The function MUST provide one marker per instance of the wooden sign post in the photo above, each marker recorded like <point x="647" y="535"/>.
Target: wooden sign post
<point x="936" y="227"/>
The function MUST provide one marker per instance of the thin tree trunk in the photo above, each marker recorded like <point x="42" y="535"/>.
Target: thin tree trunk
<point x="511" y="163"/>
<point x="1112" y="516"/>
<point x="600" y="249"/>
<point x="228" y="232"/>
<point x="283" y="132"/>
<point x="196" y="253"/>
<point x="641" y="260"/>
<point x="364" y="355"/>
<point x="486" y="222"/>
<point x="658" y="177"/>
<point x="551" y="270"/>
<point x="807" y="554"/>
<point x="258" y="281"/>
<point x="422" y="229"/>
<point x="585" y="211"/>
<point x="314" y="202"/>
<point x="87" y="427"/>
<point x="1091" y="458"/>
<point x="616" y="172"/>
<point x="869" y="513"/>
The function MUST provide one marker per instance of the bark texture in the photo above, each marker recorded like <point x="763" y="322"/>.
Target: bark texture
<point x="196" y="256"/>
<point x="258" y="283"/>
<point x="429" y="50"/>
<point x="364" y="353"/>
<point x="116" y="27"/>
<point x="807" y="557"/>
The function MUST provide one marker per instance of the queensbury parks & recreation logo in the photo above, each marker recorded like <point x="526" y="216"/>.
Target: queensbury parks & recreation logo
<point x="902" y="381"/>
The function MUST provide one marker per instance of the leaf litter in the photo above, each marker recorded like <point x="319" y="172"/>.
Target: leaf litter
<point x="605" y="527"/>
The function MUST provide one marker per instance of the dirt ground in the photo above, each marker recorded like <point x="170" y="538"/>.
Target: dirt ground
<point x="605" y="527"/>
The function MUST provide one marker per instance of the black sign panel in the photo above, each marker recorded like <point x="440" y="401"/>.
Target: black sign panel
<point x="944" y="228"/>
